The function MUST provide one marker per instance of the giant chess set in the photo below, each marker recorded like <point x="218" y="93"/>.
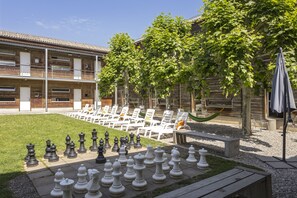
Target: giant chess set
<point x="125" y="169"/>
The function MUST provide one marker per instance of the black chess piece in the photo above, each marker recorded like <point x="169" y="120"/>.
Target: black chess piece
<point x="107" y="145"/>
<point x="132" y="143"/>
<point x="54" y="157"/>
<point x="72" y="153"/>
<point x="94" y="138"/>
<point x="138" y="144"/>
<point x="101" y="143"/>
<point x="115" y="147"/>
<point x="48" y="151"/>
<point x="122" y="141"/>
<point x="81" y="141"/>
<point x="127" y="143"/>
<point x="67" y="150"/>
<point x="28" y="146"/>
<point x="100" y="158"/>
<point x="32" y="161"/>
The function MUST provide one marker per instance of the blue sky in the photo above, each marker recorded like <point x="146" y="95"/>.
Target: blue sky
<point x="91" y="21"/>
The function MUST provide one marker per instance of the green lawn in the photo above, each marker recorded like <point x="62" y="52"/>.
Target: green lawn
<point x="18" y="130"/>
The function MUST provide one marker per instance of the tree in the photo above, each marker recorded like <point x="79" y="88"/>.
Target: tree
<point x="121" y="63"/>
<point x="165" y="45"/>
<point x="235" y="37"/>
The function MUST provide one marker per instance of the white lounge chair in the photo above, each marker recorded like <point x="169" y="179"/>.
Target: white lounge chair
<point x="100" y="114"/>
<point x="116" y="117"/>
<point x="141" y="122"/>
<point x="85" y="108"/>
<point x="166" y="120"/>
<point x="107" y="115"/>
<point x="180" y="122"/>
<point x="126" y="119"/>
<point x="84" y="112"/>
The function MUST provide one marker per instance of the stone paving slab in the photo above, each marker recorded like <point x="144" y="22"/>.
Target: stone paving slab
<point x="279" y="165"/>
<point x="267" y="159"/>
<point x="43" y="178"/>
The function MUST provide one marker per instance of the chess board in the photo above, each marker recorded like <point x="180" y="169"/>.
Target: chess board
<point x="42" y="176"/>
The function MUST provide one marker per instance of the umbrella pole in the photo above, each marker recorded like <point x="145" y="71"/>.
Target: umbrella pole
<point x="285" y="120"/>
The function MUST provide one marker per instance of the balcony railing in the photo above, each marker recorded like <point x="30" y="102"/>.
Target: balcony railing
<point x="33" y="71"/>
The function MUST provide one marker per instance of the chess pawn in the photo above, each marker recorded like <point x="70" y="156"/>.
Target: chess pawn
<point x="107" y="179"/>
<point x="165" y="166"/>
<point x="67" y="150"/>
<point x="139" y="182"/>
<point x="54" y="157"/>
<point x="115" y="147"/>
<point x="116" y="189"/>
<point x="176" y="171"/>
<point x="159" y="176"/>
<point x="101" y="143"/>
<point x="81" y="184"/>
<point x="107" y="145"/>
<point x="57" y="191"/>
<point x="72" y="153"/>
<point x="28" y="146"/>
<point x="138" y="144"/>
<point x="32" y="161"/>
<point x="93" y="187"/>
<point x="202" y="162"/>
<point x="66" y="186"/>
<point x="171" y="162"/>
<point x="127" y="143"/>
<point x="94" y="141"/>
<point x="81" y="141"/>
<point x="131" y="143"/>
<point x="122" y="156"/>
<point x="130" y="174"/>
<point x="100" y="158"/>
<point x="47" y="150"/>
<point x="149" y="156"/>
<point x="191" y="158"/>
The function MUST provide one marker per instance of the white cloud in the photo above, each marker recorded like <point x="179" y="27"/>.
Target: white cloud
<point x="46" y="26"/>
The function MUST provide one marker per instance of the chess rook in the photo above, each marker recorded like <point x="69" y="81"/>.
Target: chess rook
<point x="67" y="185"/>
<point x="159" y="176"/>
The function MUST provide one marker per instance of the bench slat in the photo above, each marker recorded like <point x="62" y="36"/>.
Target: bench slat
<point x="180" y="192"/>
<point x="217" y="185"/>
<point x="209" y="136"/>
<point x="228" y="190"/>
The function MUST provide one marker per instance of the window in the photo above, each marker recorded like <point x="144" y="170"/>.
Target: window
<point x="60" y="99"/>
<point x="2" y="99"/>
<point x="60" y="58"/>
<point x="7" y="63"/>
<point x="7" y="88"/>
<point x="61" y="90"/>
<point x="7" y="52"/>
<point x="61" y="67"/>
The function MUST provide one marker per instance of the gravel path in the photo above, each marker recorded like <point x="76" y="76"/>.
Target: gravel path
<point x="261" y="143"/>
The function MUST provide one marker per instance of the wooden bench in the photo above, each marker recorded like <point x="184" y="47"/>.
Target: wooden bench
<point x="231" y="144"/>
<point x="237" y="182"/>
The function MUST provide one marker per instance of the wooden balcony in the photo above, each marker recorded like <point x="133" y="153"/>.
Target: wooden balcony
<point x="39" y="73"/>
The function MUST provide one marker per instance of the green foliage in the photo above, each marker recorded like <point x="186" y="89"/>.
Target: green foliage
<point x="167" y="44"/>
<point x="121" y="61"/>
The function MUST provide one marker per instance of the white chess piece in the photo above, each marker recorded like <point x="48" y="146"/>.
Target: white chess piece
<point x="57" y="191"/>
<point x="130" y="174"/>
<point x="191" y="158"/>
<point x="116" y="189"/>
<point x="171" y="162"/>
<point x="176" y="171"/>
<point x="107" y="180"/>
<point x="165" y="166"/>
<point x="149" y="156"/>
<point x="66" y="186"/>
<point x="93" y="187"/>
<point x="122" y="156"/>
<point x="159" y="176"/>
<point x="202" y="162"/>
<point x="139" y="182"/>
<point x="80" y="186"/>
<point x="91" y="172"/>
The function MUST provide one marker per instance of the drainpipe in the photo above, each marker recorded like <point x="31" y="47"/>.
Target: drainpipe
<point x="46" y="80"/>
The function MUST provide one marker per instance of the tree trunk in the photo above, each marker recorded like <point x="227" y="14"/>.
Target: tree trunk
<point x="203" y="103"/>
<point x="193" y="103"/>
<point x="150" y="98"/>
<point x="246" y="111"/>
<point x="167" y="103"/>
<point x="180" y="96"/>
<point x="126" y="88"/>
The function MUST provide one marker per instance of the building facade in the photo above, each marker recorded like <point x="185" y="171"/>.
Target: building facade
<point x="44" y="73"/>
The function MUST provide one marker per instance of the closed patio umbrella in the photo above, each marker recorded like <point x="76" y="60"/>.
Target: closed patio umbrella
<point x="282" y="98"/>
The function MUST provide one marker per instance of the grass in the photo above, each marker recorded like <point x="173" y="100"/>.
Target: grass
<point x="18" y="130"/>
